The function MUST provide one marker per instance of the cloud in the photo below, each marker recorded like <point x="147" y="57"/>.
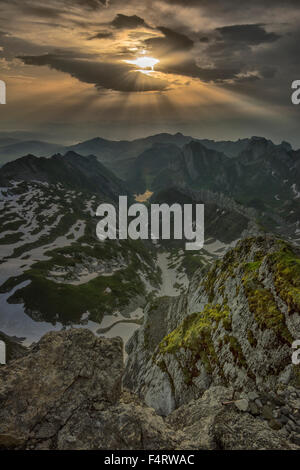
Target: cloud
<point x="171" y="41"/>
<point x="250" y="34"/>
<point x="54" y="8"/>
<point x="128" y="22"/>
<point x="189" y="68"/>
<point x="229" y="5"/>
<point x="91" y="4"/>
<point x="103" y="35"/>
<point x="13" y="46"/>
<point x="107" y="75"/>
<point x="225" y="54"/>
<point x="40" y="11"/>
<point x="230" y="54"/>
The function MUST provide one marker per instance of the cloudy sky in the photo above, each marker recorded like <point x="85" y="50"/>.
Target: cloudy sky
<point x="219" y="69"/>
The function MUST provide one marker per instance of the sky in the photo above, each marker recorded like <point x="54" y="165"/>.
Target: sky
<point x="220" y="69"/>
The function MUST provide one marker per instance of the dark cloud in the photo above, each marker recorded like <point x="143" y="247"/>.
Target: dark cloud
<point x="227" y="5"/>
<point x="128" y="22"/>
<point x="13" y="46"/>
<point x="249" y="48"/>
<point x="40" y="11"/>
<point x="171" y="42"/>
<point x="111" y="76"/>
<point x="91" y="4"/>
<point x="103" y="35"/>
<point x="54" y="8"/>
<point x="247" y="33"/>
<point x="189" y="68"/>
<point x="232" y="56"/>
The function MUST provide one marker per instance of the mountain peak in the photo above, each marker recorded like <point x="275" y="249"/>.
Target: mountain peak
<point x="286" y="145"/>
<point x="71" y="154"/>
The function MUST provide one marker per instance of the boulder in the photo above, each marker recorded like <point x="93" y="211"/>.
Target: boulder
<point x="65" y="393"/>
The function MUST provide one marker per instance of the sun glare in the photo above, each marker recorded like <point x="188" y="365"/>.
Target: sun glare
<point x="144" y="62"/>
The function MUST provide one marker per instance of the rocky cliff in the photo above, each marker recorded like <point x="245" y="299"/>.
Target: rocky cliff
<point x="66" y="393"/>
<point x="234" y="329"/>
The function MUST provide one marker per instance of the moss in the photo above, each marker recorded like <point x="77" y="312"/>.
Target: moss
<point x="194" y="328"/>
<point x="210" y="281"/>
<point x="195" y="335"/>
<point x="236" y="351"/>
<point x="262" y="304"/>
<point x="285" y="266"/>
<point x="254" y="266"/>
<point x="251" y="339"/>
<point x="223" y="270"/>
<point x="162" y="365"/>
<point x="296" y="376"/>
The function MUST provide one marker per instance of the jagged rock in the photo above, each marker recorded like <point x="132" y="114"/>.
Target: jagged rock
<point x="66" y="394"/>
<point x="241" y="431"/>
<point x="196" y="419"/>
<point x="242" y="405"/>
<point x="127" y="425"/>
<point x="211" y="424"/>
<point x="64" y="372"/>
<point x="234" y="327"/>
<point x="14" y="348"/>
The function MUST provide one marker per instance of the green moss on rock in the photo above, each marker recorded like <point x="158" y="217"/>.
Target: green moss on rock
<point x="195" y="335"/>
<point x="236" y="350"/>
<point x="196" y="329"/>
<point x="285" y="266"/>
<point x="262" y="304"/>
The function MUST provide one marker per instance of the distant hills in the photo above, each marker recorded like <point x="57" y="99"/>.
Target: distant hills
<point x="73" y="171"/>
<point x="107" y="151"/>
<point x="117" y="155"/>
<point x="261" y="171"/>
<point x="13" y="149"/>
<point x="255" y="172"/>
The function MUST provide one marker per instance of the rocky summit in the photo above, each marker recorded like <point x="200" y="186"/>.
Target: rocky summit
<point x="66" y="392"/>
<point x="209" y="335"/>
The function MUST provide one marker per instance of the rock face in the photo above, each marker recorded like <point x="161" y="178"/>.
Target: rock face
<point x="66" y="393"/>
<point x="234" y="328"/>
<point x="42" y="391"/>
<point x="209" y="424"/>
<point x="14" y="348"/>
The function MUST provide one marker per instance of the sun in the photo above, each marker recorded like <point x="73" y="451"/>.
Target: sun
<point x="146" y="63"/>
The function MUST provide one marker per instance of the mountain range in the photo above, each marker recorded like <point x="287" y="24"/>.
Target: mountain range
<point x="254" y="173"/>
<point x="72" y="170"/>
<point x="18" y="144"/>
